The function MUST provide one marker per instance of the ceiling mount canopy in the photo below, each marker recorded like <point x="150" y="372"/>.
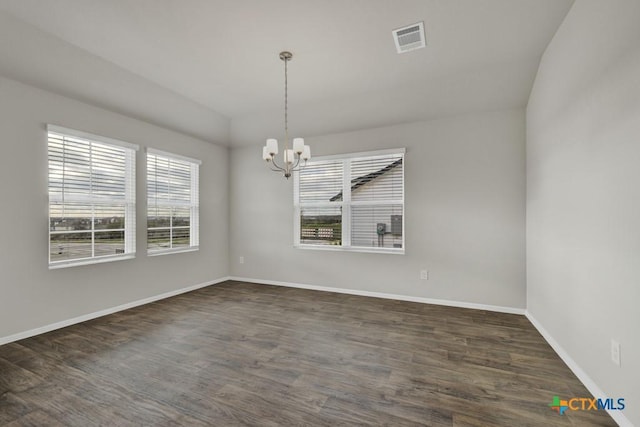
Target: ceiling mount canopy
<point x="298" y="152"/>
<point x="286" y="56"/>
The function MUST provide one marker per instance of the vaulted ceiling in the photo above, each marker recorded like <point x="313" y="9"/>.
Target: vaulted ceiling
<point x="210" y="68"/>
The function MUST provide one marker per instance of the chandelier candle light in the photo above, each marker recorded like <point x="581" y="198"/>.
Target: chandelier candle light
<point x="299" y="151"/>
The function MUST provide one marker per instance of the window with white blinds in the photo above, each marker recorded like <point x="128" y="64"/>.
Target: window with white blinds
<point x="172" y="203"/>
<point x="91" y="198"/>
<point x="353" y="202"/>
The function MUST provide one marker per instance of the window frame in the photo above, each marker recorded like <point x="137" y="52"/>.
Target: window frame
<point x="193" y="204"/>
<point x="128" y="202"/>
<point x="347" y="203"/>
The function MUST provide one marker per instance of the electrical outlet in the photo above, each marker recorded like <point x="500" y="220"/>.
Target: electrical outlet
<point x="615" y="352"/>
<point x="424" y="274"/>
<point x="241" y="260"/>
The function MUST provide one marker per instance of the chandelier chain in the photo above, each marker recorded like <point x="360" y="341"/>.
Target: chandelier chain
<point x="286" y="103"/>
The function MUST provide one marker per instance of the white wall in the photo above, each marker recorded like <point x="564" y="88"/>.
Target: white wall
<point x="465" y="203"/>
<point x="33" y="296"/>
<point x="583" y="193"/>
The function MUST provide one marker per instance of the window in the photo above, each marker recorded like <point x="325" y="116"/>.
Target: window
<point x="91" y="198"/>
<point x="353" y="202"/>
<point x="172" y="203"/>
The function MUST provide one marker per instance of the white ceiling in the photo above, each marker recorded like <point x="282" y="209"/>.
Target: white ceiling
<point x="217" y="60"/>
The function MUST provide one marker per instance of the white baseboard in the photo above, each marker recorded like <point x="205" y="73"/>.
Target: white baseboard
<point x="461" y="304"/>
<point x="90" y="316"/>
<point x="593" y="388"/>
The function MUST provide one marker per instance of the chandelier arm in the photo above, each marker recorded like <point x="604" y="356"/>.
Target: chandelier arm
<point x="278" y="167"/>
<point x="301" y="166"/>
<point x="297" y="163"/>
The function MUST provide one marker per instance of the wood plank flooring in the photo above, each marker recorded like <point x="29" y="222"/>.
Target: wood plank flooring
<point x="246" y="354"/>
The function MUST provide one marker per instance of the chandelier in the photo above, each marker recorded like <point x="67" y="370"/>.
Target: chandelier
<point x="299" y="152"/>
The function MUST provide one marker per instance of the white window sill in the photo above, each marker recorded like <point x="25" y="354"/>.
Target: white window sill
<point x="66" y="264"/>
<point x="173" y="251"/>
<point x="336" y="248"/>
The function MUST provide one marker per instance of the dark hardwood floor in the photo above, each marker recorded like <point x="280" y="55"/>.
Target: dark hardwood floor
<point x="245" y="354"/>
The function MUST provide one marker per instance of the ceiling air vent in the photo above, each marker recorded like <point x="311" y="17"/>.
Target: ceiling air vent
<point x="409" y="38"/>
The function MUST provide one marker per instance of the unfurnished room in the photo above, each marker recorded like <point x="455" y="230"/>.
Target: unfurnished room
<point x="320" y="212"/>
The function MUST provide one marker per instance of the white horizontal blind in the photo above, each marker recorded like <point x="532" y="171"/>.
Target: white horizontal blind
<point x="377" y="187"/>
<point x="320" y="203"/>
<point x="352" y="202"/>
<point x="321" y="182"/>
<point x="91" y="198"/>
<point x="172" y="202"/>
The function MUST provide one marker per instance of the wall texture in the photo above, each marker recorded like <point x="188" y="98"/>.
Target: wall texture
<point x="465" y="204"/>
<point x="583" y="197"/>
<point x="31" y="295"/>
